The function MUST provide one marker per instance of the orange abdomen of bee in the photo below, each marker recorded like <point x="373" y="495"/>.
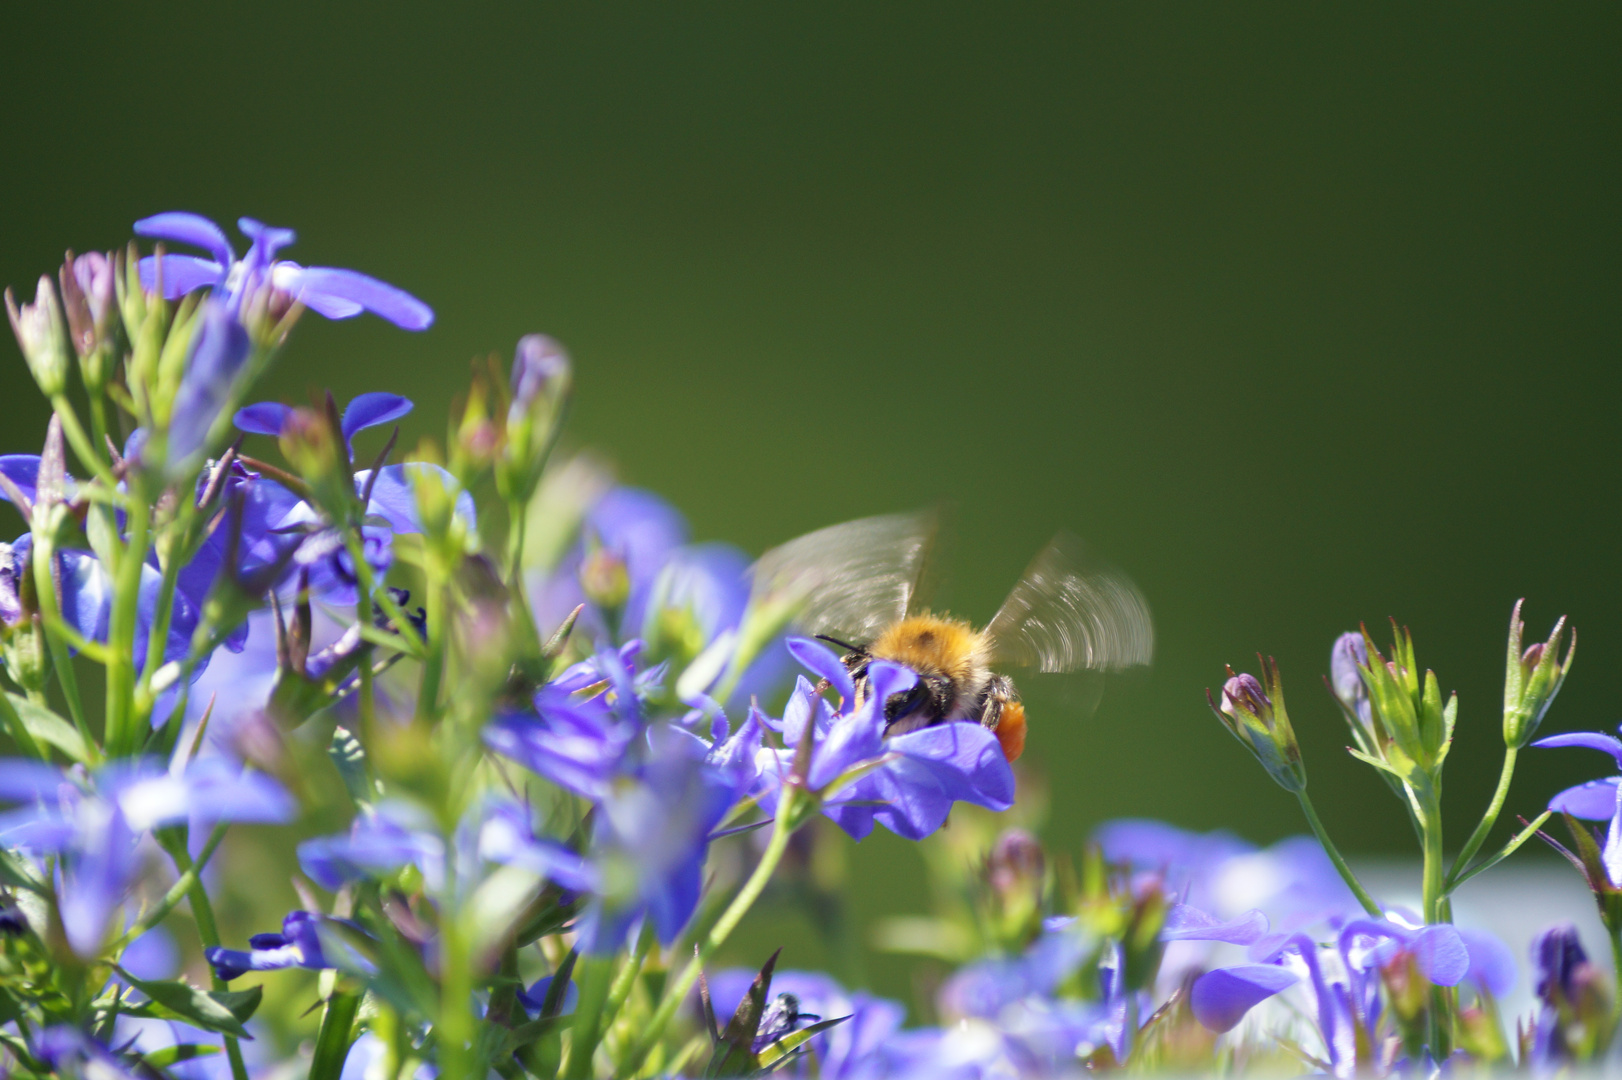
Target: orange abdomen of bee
<point x="1011" y="730"/>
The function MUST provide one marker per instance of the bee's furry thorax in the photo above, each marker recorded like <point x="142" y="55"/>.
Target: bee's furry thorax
<point x="933" y="645"/>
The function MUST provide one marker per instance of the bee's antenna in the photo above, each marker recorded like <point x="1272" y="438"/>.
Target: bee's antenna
<point x="847" y="646"/>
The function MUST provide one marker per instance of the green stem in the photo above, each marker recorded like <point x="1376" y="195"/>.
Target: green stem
<point x="83" y="448"/>
<point x="158" y="633"/>
<point x="177" y="892"/>
<point x="208" y="931"/>
<point x="1435" y="862"/>
<point x="517" y="521"/>
<point x="1333" y="852"/>
<point x="332" y="1043"/>
<point x="625" y="981"/>
<point x="433" y="665"/>
<point x="455" y="1030"/>
<point x="1616" y="966"/>
<point x="676" y="990"/>
<point x="61" y="659"/>
<point x="586" y="1031"/>
<point x="1489" y="819"/>
<point x="121" y="629"/>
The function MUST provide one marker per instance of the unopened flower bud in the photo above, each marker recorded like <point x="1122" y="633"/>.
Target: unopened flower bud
<point x="541" y="375"/>
<point x="604" y="578"/>
<point x="88" y="299"/>
<point x="541" y="381"/>
<point x="1244" y="694"/>
<point x="43" y="337"/>
<point x="1255" y="715"/>
<point x="316" y="451"/>
<point x="1016" y="863"/>
<point x="1348" y="654"/>
<point x="1532" y="678"/>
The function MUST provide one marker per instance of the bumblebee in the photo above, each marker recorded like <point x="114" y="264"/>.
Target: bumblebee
<point x="862" y="586"/>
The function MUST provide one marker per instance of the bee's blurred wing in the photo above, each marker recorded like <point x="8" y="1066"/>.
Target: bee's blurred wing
<point x="855" y="578"/>
<point x="1066" y="616"/>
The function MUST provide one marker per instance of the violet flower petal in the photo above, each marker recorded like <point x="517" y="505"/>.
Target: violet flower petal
<point x="1221" y="998"/>
<point x="181" y="274"/>
<point x="1441" y="954"/>
<point x="369" y="410"/>
<point x="262" y="418"/>
<point x="1492" y="964"/>
<point x="1591" y="740"/>
<point x="1593" y="801"/>
<point x="25" y="781"/>
<point x="182" y="227"/>
<point x="1186" y="923"/>
<point x="218" y="352"/>
<point x="823" y="663"/>
<point x="315" y="285"/>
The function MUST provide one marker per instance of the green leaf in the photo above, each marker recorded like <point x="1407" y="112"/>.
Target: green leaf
<point x="173" y="1055"/>
<point x="47" y="727"/>
<point x="735" y="1053"/>
<point x="349" y="756"/>
<point x="223" y="1011"/>
<point x="1508" y="849"/>
<point x="794" y="1040"/>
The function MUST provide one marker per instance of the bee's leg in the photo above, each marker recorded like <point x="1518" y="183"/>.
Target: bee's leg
<point x="1003" y="714"/>
<point x="999" y="693"/>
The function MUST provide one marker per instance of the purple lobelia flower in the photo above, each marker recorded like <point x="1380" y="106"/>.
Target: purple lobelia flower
<point x="1221" y="997"/>
<point x="986" y="988"/>
<point x="93" y="823"/>
<point x="1597" y="799"/>
<point x="396" y="834"/>
<point x="219" y="348"/>
<point x="86" y="595"/>
<point x="651" y="837"/>
<point x="583" y="727"/>
<point x="328" y="291"/>
<point x="71" y="1053"/>
<point x="847" y="1050"/>
<point x="363" y="411"/>
<point x="1222" y="874"/>
<point x="907" y="783"/>
<point x="299" y="944"/>
<point x="391" y="512"/>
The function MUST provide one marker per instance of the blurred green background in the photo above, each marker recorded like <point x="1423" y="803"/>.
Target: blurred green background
<point x="1302" y="316"/>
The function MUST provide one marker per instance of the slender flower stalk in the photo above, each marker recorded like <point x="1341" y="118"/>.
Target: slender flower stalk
<point x="1335" y="857"/>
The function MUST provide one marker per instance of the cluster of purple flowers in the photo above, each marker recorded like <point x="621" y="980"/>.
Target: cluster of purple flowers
<point x="539" y="726"/>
